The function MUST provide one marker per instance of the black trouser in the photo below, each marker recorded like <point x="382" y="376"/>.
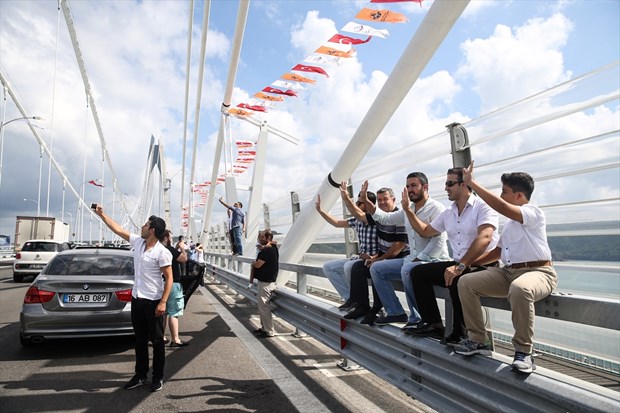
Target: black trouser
<point x="146" y="325"/>
<point x="423" y="278"/>
<point x="360" y="274"/>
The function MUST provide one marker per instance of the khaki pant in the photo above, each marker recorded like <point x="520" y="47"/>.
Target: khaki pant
<point x="265" y="290"/>
<point x="523" y="287"/>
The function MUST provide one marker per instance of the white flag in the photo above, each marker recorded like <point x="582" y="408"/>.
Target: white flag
<point x="288" y="85"/>
<point x="357" y="28"/>
<point x="323" y="59"/>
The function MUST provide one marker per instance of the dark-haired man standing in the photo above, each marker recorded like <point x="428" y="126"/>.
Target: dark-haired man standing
<point x="150" y="293"/>
<point x="527" y="276"/>
<point x="265" y="269"/>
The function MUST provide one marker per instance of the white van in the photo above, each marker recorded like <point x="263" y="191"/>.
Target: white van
<point x="34" y="256"/>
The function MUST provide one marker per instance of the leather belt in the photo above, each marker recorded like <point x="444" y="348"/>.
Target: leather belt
<point x="530" y="264"/>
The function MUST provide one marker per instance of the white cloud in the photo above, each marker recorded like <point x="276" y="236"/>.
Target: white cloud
<point x="515" y="63"/>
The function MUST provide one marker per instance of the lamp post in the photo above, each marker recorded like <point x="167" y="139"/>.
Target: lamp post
<point x="38" y="209"/>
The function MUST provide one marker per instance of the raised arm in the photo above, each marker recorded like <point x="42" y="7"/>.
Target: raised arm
<point x="224" y="203"/>
<point x="370" y="207"/>
<point x="506" y="209"/>
<point x="422" y="228"/>
<point x="338" y="223"/>
<point x="110" y="223"/>
<point x="353" y="209"/>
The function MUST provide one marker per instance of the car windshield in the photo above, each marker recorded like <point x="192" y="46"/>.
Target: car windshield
<point x="41" y="246"/>
<point x="91" y="264"/>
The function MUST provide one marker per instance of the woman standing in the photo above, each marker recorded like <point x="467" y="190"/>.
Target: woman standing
<point x="176" y="302"/>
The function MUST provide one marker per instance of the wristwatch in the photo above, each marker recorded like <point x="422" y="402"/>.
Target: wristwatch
<point x="460" y="266"/>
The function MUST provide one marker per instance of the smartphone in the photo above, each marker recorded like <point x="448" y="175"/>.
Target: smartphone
<point x="93" y="206"/>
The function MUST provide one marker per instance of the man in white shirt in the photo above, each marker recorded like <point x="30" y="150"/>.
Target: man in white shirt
<point x="527" y="276"/>
<point x="472" y="230"/>
<point x="152" y="284"/>
<point x="422" y="250"/>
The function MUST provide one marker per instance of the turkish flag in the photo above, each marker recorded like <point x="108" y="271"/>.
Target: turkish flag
<point x="313" y="69"/>
<point x="342" y="39"/>
<point x="289" y="92"/>
<point x="92" y="182"/>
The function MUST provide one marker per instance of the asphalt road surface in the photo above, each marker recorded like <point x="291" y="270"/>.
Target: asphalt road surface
<point x="224" y="369"/>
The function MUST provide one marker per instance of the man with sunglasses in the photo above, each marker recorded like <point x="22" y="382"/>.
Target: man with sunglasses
<point x="527" y="276"/>
<point x="471" y="226"/>
<point x="338" y="271"/>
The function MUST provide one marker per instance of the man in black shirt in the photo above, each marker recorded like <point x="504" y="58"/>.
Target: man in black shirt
<point x="265" y="270"/>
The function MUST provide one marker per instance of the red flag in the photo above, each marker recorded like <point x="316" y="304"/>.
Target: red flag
<point x="288" y="92"/>
<point x="313" y="69"/>
<point x="92" y="182"/>
<point x="339" y="38"/>
<point x="256" y="108"/>
<point x="397" y="1"/>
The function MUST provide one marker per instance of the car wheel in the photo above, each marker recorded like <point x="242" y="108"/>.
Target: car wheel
<point x="18" y="277"/>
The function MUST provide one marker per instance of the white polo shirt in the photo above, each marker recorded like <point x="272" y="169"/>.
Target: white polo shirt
<point x="425" y="249"/>
<point x="463" y="229"/>
<point x="528" y="241"/>
<point x="148" y="282"/>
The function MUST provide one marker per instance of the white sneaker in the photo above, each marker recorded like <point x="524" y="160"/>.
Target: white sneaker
<point x="524" y="363"/>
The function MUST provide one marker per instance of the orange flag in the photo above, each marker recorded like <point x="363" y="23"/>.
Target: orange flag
<point x="264" y="96"/>
<point x="334" y="52"/>
<point x="239" y="112"/>
<point x="297" y="78"/>
<point x="385" y="16"/>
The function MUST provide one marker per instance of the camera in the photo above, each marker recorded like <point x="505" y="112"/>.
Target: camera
<point x="93" y="206"/>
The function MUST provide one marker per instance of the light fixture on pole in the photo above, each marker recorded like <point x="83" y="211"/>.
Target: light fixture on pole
<point x="38" y="209"/>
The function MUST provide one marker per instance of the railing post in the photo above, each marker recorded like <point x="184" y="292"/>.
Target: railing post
<point x="461" y="153"/>
<point x="302" y="289"/>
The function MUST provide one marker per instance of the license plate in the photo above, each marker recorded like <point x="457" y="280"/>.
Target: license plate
<point x="84" y="298"/>
<point x="37" y="266"/>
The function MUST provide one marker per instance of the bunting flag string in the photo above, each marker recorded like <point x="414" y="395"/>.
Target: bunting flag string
<point x="397" y="1"/>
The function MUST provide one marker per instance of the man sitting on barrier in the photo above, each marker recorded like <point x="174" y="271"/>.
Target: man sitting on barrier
<point x="471" y="226"/>
<point x="527" y="276"/>
<point x="423" y="250"/>
<point x="338" y="271"/>
<point x="392" y="244"/>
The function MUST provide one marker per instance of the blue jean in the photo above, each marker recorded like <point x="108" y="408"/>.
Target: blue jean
<point x="385" y="271"/>
<point x="338" y="272"/>
<point x="236" y="232"/>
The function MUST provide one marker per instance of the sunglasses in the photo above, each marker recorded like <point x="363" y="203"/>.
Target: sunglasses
<point x="450" y="184"/>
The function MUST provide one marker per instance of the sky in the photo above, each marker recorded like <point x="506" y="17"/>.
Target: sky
<point x="497" y="53"/>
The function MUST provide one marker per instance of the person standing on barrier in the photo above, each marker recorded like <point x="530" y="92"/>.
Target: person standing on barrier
<point x="392" y="241"/>
<point x="471" y="227"/>
<point x="526" y="277"/>
<point x="422" y="250"/>
<point x="237" y="224"/>
<point x="265" y="269"/>
<point x="152" y="286"/>
<point x="338" y="271"/>
<point x="176" y="299"/>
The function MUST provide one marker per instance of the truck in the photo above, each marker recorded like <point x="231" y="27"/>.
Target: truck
<point x="42" y="228"/>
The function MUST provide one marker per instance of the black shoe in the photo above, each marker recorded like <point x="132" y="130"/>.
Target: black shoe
<point x="180" y="344"/>
<point x="156" y="385"/>
<point x="347" y="305"/>
<point x="388" y="319"/>
<point x="356" y="312"/>
<point x="263" y="334"/>
<point x="370" y="317"/>
<point x="412" y="326"/>
<point x="453" y="340"/>
<point x="427" y="330"/>
<point x="135" y="382"/>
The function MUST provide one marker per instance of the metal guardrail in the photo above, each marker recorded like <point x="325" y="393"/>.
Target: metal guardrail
<point x="431" y="373"/>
